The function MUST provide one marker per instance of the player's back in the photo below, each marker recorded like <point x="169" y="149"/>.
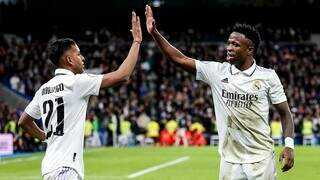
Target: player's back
<point x="63" y="113"/>
<point x="62" y="102"/>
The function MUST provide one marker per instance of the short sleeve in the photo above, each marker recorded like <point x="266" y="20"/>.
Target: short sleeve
<point x="33" y="108"/>
<point x="88" y="84"/>
<point x="276" y="92"/>
<point x="206" y="70"/>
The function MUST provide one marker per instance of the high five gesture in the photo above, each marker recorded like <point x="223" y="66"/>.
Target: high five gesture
<point x="168" y="50"/>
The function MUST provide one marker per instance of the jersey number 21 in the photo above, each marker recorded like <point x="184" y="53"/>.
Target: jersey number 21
<point x="60" y="116"/>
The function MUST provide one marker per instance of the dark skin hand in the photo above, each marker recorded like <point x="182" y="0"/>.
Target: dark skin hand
<point x="287" y="159"/>
<point x="26" y="122"/>
<point x="287" y="155"/>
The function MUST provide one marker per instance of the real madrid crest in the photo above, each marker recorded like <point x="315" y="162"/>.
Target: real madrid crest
<point x="256" y="85"/>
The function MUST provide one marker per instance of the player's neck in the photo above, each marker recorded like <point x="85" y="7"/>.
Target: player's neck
<point x="67" y="68"/>
<point x="245" y="65"/>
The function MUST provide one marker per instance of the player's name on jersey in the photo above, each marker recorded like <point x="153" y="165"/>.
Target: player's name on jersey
<point x="238" y="100"/>
<point x="54" y="89"/>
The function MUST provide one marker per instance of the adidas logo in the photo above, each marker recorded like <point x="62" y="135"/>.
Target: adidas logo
<point x="225" y="80"/>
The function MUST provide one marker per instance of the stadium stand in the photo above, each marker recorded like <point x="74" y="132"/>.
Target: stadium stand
<point x="158" y="91"/>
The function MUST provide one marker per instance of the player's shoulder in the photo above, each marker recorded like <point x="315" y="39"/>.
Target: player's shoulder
<point x="82" y="75"/>
<point x="265" y="71"/>
<point x="225" y="64"/>
<point x="56" y="80"/>
<point x="214" y="64"/>
<point x="267" y="74"/>
<point x="216" y="61"/>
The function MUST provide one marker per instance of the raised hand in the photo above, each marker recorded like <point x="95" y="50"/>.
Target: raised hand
<point x="150" y="22"/>
<point x="136" y="28"/>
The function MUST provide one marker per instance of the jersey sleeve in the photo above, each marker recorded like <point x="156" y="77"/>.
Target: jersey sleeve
<point x="33" y="108"/>
<point x="206" y="70"/>
<point x="276" y="92"/>
<point x="88" y="84"/>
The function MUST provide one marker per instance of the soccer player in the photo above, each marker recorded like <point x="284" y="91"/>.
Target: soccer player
<point x="62" y="103"/>
<point x="242" y="92"/>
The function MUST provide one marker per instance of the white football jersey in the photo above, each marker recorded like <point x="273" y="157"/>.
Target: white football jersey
<point x="62" y="104"/>
<point x="241" y="101"/>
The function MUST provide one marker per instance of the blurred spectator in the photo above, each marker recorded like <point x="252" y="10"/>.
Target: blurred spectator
<point x="88" y="130"/>
<point x="95" y="134"/>
<point x="197" y="137"/>
<point x="125" y="138"/>
<point x="153" y="130"/>
<point x="307" y="131"/>
<point x="11" y="125"/>
<point x="167" y="135"/>
<point x="181" y="136"/>
<point x="276" y="130"/>
<point x="316" y="127"/>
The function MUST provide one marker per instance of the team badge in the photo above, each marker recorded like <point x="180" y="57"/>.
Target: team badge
<point x="256" y="85"/>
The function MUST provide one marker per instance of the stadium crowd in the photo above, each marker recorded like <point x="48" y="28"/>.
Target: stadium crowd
<point x="162" y="104"/>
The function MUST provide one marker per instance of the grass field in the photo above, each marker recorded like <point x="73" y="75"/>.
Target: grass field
<point x="168" y="164"/>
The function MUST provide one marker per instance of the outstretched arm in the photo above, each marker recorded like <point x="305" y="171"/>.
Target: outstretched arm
<point x="26" y="122"/>
<point x="287" y="155"/>
<point x="122" y="74"/>
<point x="167" y="49"/>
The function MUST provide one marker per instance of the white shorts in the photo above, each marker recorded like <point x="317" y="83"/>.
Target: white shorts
<point x="63" y="173"/>
<point x="263" y="170"/>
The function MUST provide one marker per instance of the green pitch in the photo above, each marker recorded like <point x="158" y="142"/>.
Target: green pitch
<point x="165" y="163"/>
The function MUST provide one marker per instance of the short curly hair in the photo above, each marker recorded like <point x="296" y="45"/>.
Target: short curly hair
<point x="57" y="48"/>
<point x="250" y="32"/>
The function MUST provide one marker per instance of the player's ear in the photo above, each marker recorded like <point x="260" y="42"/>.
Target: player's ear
<point x="250" y="50"/>
<point x="69" y="59"/>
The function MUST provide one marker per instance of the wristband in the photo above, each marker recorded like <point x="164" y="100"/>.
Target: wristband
<point x="288" y="142"/>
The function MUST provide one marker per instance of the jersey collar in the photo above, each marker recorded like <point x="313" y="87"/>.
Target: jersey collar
<point x="61" y="71"/>
<point x="247" y="72"/>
